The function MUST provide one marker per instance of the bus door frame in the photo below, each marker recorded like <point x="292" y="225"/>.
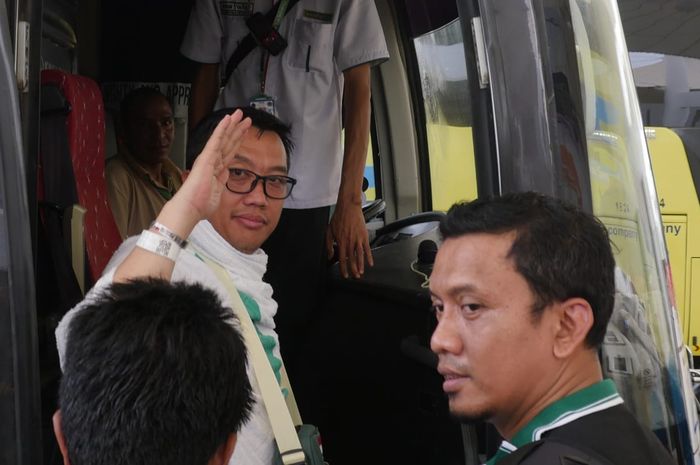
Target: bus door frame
<point x="20" y="436"/>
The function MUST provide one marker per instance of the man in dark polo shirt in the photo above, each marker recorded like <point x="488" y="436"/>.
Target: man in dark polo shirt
<point x="523" y="288"/>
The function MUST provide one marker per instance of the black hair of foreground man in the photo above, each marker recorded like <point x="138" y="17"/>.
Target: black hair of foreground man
<point x="561" y="251"/>
<point x="155" y="373"/>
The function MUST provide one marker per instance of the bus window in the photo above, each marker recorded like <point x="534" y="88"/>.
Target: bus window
<point x="373" y="191"/>
<point x="443" y="76"/>
<point x="669" y="96"/>
<point x="624" y="199"/>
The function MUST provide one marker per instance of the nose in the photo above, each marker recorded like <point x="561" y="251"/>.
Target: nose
<point x="165" y="133"/>
<point x="447" y="338"/>
<point x="257" y="195"/>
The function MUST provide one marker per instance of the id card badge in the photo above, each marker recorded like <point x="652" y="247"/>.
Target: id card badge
<point x="265" y="103"/>
<point x="240" y="8"/>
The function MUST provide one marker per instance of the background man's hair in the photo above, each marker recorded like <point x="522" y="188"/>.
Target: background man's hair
<point x="262" y="120"/>
<point x="134" y="100"/>
<point x="155" y="373"/>
<point x="561" y="251"/>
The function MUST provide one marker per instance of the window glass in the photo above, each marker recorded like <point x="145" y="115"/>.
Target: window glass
<point x="669" y="89"/>
<point x="370" y="175"/>
<point x="643" y="328"/>
<point x="443" y="75"/>
<point x="669" y="97"/>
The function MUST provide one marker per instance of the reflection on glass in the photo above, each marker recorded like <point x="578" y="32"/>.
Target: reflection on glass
<point x="668" y="88"/>
<point x="443" y="73"/>
<point x="371" y="176"/>
<point x="641" y="351"/>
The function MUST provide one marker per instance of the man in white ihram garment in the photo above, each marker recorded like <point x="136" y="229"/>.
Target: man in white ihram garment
<point x="227" y="207"/>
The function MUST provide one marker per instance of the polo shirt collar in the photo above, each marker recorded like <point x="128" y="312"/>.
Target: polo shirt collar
<point x="594" y="398"/>
<point x="169" y="171"/>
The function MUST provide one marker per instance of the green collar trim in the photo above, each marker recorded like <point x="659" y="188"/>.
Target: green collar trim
<point x="594" y="398"/>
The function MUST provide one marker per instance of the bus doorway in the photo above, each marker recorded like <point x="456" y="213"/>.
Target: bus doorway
<point x="479" y="98"/>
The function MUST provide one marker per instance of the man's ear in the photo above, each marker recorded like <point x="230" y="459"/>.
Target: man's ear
<point x="58" y="431"/>
<point x="575" y="320"/>
<point x="225" y="451"/>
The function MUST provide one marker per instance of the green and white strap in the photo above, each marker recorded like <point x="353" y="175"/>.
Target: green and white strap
<point x="277" y="410"/>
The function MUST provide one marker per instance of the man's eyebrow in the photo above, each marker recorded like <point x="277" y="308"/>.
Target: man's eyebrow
<point x="242" y="158"/>
<point x="458" y="289"/>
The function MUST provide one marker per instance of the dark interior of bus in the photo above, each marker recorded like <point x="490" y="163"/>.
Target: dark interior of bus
<point x="368" y="371"/>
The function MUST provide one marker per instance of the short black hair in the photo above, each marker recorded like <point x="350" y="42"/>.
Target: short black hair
<point x="561" y="251"/>
<point x="262" y="120"/>
<point x="155" y="373"/>
<point x="134" y="100"/>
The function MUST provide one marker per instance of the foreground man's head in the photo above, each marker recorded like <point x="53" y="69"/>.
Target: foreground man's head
<point x="523" y="288"/>
<point x="155" y="373"/>
<point x="251" y="205"/>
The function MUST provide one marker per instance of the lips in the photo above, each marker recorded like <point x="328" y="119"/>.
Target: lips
<point x="251" y="221"/>
<point x="453" y="380"/>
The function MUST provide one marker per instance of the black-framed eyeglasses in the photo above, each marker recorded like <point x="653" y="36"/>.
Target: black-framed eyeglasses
<point x="275" y="186"/>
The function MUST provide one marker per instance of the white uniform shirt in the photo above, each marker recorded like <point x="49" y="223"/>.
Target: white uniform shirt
<point x="325" y="37"/>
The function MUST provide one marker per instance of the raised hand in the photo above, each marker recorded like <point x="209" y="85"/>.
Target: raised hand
<point x="201" y="191"/>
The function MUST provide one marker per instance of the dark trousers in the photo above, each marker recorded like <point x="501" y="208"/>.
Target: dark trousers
<point x="296" y="270"/>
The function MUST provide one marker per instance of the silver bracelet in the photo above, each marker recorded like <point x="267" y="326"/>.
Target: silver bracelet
<point x="159" y="245"/>
<point x="167" y="232"/>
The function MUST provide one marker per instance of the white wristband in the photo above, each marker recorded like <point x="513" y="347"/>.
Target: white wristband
<point x="167" y="232"/>
<point x="159" y="245"/>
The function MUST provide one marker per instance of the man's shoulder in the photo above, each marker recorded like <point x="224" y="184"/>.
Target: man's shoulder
<point x="552" y="452"/>
<point x="117" y="170"/>
<point x="613" y="434"/>
<point x="115" y="162"/>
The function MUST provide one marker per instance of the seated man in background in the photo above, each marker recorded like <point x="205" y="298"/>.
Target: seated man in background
<point x="141" y="177"/>
<point x="155" y="373"/>
<point x="523" y="288"/>
<point x="229" y="204"/>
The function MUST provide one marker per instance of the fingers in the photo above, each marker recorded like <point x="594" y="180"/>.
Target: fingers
<point x="353" y="262"/>
<point x="352" y="255"/>
<point x="368" y="250"/>
<point x="329" y="242"/>
<point x="360" y="251"/>
<point x="343" y="259"/>
<point x="233" y="136"/>
<point x="225" y="139"/>
<point x="348" y="230"/>
<point x="213" y="146"/>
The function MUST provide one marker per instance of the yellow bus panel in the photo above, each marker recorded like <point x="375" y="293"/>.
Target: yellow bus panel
<point x="680" y="212"/>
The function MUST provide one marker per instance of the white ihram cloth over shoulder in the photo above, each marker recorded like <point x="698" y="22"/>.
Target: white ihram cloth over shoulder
<point x="255" y="444"/>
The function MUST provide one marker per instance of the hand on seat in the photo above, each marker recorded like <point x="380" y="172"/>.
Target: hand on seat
<point x="347" y="229"/>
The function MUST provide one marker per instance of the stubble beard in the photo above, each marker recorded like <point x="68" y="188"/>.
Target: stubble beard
<point x="470" y="417"/>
